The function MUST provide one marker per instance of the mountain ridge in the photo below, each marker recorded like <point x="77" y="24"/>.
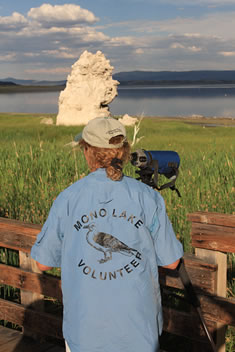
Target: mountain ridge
<point x="211" y="76"/>
<point x="32" y="82"/>
<point x="148" y="77"/>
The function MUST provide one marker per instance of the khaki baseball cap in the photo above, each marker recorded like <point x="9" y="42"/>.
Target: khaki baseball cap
<point x="100" y="130"/>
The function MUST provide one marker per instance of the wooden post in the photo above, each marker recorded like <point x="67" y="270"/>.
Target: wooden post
<point x="27" y="297"/>
<point x="213" y="235"/>
<point x="220" y="259"/>
<point x="30" y="299"/>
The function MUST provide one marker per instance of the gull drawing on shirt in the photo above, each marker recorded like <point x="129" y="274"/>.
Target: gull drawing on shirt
<point x="106" y="243"/>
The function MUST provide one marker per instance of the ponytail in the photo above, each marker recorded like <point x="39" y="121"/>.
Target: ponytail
<point x="112" y="159"/>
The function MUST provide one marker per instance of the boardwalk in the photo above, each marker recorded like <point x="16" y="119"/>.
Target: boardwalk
<point x="14" y="341"/>
<point x="213" y="235"/>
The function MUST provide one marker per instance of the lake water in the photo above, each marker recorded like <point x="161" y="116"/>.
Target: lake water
<point x="214" y="100"/>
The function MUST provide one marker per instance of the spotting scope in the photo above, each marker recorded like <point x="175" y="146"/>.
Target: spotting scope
<point x="154" y="162"/>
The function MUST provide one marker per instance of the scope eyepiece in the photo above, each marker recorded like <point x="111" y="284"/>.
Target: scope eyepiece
<point x="167" y="161"/>
<point x="134" y="157"/>
<point x="139" y="158"/>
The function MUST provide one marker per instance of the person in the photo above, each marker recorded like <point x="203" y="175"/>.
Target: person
<point x="108" y="233"/>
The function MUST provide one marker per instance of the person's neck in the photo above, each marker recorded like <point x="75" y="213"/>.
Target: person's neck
<point x="95" y="168"/>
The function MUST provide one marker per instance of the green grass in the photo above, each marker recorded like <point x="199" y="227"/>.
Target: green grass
<point x="36" y="166"/>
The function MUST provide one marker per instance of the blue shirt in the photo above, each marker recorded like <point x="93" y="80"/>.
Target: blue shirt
<point x="109" y="237"/>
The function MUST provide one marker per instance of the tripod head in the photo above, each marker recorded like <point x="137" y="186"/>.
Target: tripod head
<point x="154" y="162"/>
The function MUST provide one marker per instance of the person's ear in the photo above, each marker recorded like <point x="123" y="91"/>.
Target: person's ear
<point x="86" y="152"/>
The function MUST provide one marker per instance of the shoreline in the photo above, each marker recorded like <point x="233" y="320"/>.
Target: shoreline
<point x="209" y="121"/>
<point x="29" y="89"/>
<point x="196" y="119"/>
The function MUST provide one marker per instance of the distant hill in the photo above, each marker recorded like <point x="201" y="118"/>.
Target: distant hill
<point x="148" y="77"/>
<point x="6" y="83"/>
<point x="28" y="82"/>
<point x="175" y="77"/>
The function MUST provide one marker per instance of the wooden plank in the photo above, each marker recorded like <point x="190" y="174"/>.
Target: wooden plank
<point x="218" y="309"/>
<point x="212" y="234"/>
<point x="221" y="288"/>
<point x="219" y="259"/>
<point x="202" y="275"/>
<point x="18" y="235"/>
<point x="40" y="283"/>
<point x="17" y="224"/>
<point x="30" y="297"/>
<point x="14" y="341"/>
<point x="185" y="324"/>
<point x="213" y="237"/>
<point x="10" y="345"/>
<point x="24" y="344"/>
<point x="212" y="218"/>
<point x="176" y="322"/>
<point x="39" y="322"/>
<point x="17" y="241"/>
<point x="7" y="335"/>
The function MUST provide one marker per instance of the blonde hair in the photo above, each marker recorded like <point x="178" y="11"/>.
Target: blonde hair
<point x="112" y="159"/>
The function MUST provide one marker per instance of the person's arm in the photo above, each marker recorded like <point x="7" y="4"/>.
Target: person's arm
<point x="167" y="247"/>
<point x="47" y="248"/>
<point x="43" y="267"/>
<point x="172" y="266"/>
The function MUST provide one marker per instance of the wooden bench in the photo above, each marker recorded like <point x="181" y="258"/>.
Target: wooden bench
<point x="14" y="341"/>
<point x="180" y="319"/>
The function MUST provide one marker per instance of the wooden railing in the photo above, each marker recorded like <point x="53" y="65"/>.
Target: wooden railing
<point x="210" y="232"/>
<point x="213" y="236"/>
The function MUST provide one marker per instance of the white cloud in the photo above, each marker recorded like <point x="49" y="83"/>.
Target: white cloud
<point x="52" y="36"/>
<point x="48" y="38"/>
<point x="67" y="14"/>
<point x="56" y="70"/>
<point x="218" y="24"/>
<point x="177" y="46"/>
<point x="193" y="35"/>
<point x="59" y="53"/>
<point x="8" y="57"/>
<point x="31" y="54"/>
<point x="194" y="48"/>
<point x="139" y="51"/>
<point x="90" y="35"/>
<point x="227" y="53"/>
<point x="13" y="22"/>
<point x="117" y="41"/>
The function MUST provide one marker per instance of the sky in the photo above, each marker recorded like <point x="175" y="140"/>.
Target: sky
<point x="43" y="39"/>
